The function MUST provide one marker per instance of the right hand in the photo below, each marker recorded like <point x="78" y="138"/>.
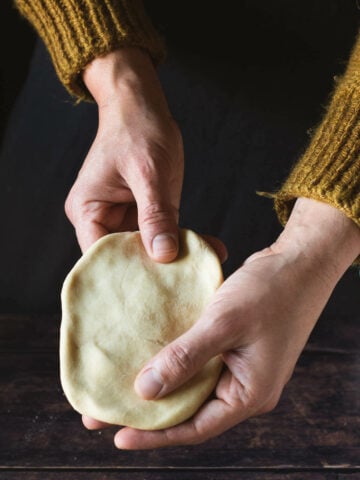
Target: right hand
<point x="132" y="176"/>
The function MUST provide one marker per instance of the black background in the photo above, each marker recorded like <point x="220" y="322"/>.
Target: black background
<point x="17" y="39"/>
<point x="244" y="88"/>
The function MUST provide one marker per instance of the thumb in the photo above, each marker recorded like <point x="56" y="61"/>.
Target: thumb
<point x="158" y="218"/>
<point x="177" y="363"/>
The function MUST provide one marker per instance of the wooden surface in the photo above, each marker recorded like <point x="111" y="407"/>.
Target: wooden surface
<point x="312" y="434"/>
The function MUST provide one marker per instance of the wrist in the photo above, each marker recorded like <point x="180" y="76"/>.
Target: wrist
<point x="318" y="235"/>
<point x="111" y="76"/>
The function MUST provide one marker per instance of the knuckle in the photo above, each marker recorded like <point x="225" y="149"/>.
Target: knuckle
<point x="145" y="168"/>
<point x="193" y="435"/>
<point x="75" y="207"/>
<point x="269" y="407"/>
<point x="69" y="205"/>
<point x="251" y="401"/>
<point x="179" y="360"/>
<point x="258" y="396"/>
<point x="272" y="403"/>
<point x="199" y="436"/>
<point x="73" y="204"/>
<point x="249" y="398"/>
<point x="199" y="439"/>
<point x="154" y="213"/>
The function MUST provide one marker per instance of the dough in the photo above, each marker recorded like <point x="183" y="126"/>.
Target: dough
<point x="119" y="308"/>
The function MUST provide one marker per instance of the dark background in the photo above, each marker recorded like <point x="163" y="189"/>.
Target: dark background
<point x="17" y="37"/>
<point x="245" y="89"/>
<point x="17" y="40"/>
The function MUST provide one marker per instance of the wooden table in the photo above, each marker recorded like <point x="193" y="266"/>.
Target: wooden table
<point x="314" y="433"/>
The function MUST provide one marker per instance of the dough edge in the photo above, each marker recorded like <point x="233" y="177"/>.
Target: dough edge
<point x="208" y="375"/>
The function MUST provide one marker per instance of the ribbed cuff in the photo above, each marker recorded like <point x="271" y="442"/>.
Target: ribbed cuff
<point x="77" y="31"/>
<point x="329" y="170"/>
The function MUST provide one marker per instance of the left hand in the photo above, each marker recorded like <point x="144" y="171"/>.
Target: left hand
<point x="260" y="320"/>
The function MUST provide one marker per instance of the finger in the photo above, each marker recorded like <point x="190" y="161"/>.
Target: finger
<point x="92" y="424"/>
<point x="88" y="233"/>
<point x="218" y="246"/>
<point x="180" y="360"/>
<point x="158" y="224"/>
<point x="212" y="419"/>
<point x="118" y="218"/>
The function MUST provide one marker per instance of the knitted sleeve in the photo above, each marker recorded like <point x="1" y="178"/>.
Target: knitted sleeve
<point x="77" y="31"/>
<point x="329" y="170"/>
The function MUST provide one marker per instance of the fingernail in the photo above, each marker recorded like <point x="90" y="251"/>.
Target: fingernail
<point x="149" y="384"/>
<point x="164" y="244"/>
<point x="118" y="443"/>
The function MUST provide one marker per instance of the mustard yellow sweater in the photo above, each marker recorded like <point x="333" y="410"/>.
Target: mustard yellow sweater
<point x="76" y="31"/>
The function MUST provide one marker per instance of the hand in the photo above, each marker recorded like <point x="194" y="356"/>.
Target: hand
<point x="132" y="176"/>
<point x="260" y="320"/>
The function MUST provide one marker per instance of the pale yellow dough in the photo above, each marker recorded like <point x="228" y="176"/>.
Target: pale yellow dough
<point x="119" y="308"/>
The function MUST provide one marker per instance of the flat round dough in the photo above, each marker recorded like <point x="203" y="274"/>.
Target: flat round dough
<point x="119" y="308"/>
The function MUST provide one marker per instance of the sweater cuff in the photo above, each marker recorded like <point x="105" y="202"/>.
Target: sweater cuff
<point x="77" y="31"/>
<point x="329" y="170"/>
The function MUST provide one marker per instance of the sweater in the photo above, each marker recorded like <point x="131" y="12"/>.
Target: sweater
<point x="77" y="31"/>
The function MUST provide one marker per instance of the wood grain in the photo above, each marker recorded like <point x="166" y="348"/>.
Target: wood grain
<point x="175" y="475"/>
<point x="312" y="434"/>
<point x="316" y="423"/>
